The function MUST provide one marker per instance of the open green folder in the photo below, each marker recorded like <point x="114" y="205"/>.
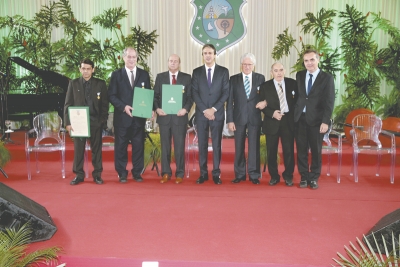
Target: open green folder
<point x="142" y="102"/>
<point x="172" y="98"/>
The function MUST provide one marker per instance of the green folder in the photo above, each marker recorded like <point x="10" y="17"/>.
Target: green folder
<point x="142" y="102"/>
<point x="172" y="98"/>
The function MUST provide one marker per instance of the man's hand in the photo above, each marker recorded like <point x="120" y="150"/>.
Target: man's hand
<point x="231" y="126"/>
<point x="323" y="128"/>
<point x="209" y="113"/>
<point x="278" y="115"/>
<point x="261" y="105"/>
<point x="69" y="129"/>
<point x="181" y="112"/>
<point x="127" y="110"/>
<point x="160" y="112"/>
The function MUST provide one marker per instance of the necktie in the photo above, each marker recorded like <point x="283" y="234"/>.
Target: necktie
<point x="281" y="97"/>
<point x="209" y="77"/>
<point x="132" y="79"/>
<point x="247" y="86"/>
<point x="309" y="84"/>
<point x="173" y="79"/>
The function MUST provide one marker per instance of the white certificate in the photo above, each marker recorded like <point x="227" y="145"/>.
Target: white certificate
<point x="80" y="121"/>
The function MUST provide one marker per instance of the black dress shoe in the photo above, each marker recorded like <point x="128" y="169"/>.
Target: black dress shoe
<point x="76" y="181"/>
<point x="255" y="181"/>
<point x="137" y="178"/>
<point x="98" y="180"/>
<point x="303" y="184"/>
<point x="201" y="179"/>
<point x="238" y="180"/>
<point x="289" y="183"/>
<point x="122" y="179"/>
<point x="314" y="185"/>
<point x="217" y="180"/>
<point x="273" y="182"/>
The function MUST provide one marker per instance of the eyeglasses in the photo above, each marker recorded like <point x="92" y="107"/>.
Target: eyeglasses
<point x="247" y="65"/>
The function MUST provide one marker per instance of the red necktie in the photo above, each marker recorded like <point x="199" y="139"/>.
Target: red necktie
<point x="173" y="79"/>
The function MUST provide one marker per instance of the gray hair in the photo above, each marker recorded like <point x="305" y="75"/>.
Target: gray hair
<point x="250" y="56"/>
<point x="277" y="62"/>
<point x="124" y="52"/>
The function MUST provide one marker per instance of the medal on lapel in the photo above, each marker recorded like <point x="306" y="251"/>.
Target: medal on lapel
<point x="293" y="94"/>
<point x="98" y="95"/>
<point x="183" y="89"/>
<point x="142" y="85"/>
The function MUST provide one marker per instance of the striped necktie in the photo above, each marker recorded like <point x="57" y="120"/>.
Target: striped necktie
<point x="247" y="86"/>
<point x="281" y="98"/>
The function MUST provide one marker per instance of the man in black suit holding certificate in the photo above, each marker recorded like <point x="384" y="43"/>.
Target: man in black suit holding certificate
<point x="91" y="92"/>
<point x="210" y="90"/>
<point x="312" y="116"/>
<point x="173" y="125"/>
<point x="127" y="127"/>
<point x="243" y="114"/>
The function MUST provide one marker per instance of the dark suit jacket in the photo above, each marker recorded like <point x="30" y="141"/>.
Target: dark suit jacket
<point x="187" y="102"/>
<point x="121" y="94"/>
<point x="76" y="97"/>
<point x="206" y="97"/>
<point x="241" y="110"/>
<point x="268" y="93"/>
<point x="320" y="101"/>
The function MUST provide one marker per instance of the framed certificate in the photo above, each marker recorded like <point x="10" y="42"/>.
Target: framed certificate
<point x="80" y="121"/>
<point x="172" y="98"/>
<point x="142" y="102"/>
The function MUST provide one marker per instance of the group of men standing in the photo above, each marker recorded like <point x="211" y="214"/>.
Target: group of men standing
<point x="299" y="109"/>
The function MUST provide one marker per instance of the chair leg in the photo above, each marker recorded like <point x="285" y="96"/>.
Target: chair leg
<point x="392" y="165"/>
<point x="378" y="163"/>
<point x="355" y="166"/>
<point x="28" y="164"/>
<point x="329" y="165"/>
<point x="63" y="163"/>
<point x="339" y="166"/>
<point x="37" y="162"/>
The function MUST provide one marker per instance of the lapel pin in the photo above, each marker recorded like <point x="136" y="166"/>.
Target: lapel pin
<point x="98" y="95"/>
<point x="183" y="89"/>
<point x="142" y="85"/>
<point x="258" y="89"/>
<point x="293" y="94"/>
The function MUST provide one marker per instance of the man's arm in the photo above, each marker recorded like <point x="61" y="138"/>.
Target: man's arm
<point x="196" y="92"/>
<point x="113" y="95"/>
<point x="69" y="101"/>
<point x="104" y="102"/>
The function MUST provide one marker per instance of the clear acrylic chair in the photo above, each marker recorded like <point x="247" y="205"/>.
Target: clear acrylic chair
<point x="329" y="149"/>
<point x="192" y="148"/>
<point x="108" y="141"/>
<point x="50" y="137"/>
<point x="368" y="127"/>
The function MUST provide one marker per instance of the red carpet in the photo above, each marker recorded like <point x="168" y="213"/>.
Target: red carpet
<point x="203" y="225"/>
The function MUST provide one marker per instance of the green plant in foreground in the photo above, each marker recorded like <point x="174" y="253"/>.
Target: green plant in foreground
<point x="366" y="257"/>
<point x="13" y="246"/>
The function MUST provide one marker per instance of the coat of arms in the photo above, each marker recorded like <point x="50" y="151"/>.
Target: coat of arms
<point x="218" y="22"/>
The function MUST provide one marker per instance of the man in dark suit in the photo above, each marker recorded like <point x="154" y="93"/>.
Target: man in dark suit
<point x="127" y="127"/>
<point x="243" y="113"/>
<point x="173" y="126"/>
<point x="91" y="92"/>
<point x="312" y="115"/>
<point x="281" y="94"/>
<point x="210" y="90"/>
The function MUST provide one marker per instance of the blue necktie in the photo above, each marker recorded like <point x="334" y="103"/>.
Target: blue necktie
<point x="209" y="77"/>
<point x="309" y="84"/>
<point x="247" y="86"/>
